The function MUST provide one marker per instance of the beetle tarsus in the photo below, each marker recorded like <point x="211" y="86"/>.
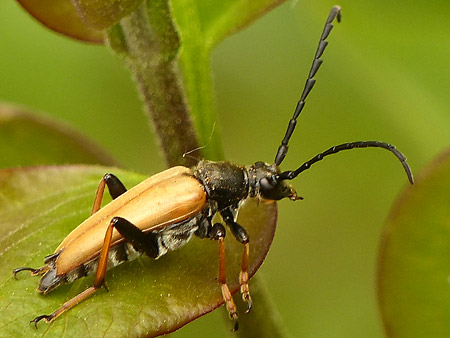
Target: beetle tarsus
<point x="246" y="298"/>
<point x="229" y="303"/>
<point x="245" y="291"/>
<point x="33" y="271"/>
<point x="236" y="322"/>
<point x="47" y="318"/>
<point x="16" y="271"/>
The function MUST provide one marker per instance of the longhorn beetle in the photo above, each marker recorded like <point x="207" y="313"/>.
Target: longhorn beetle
<point x="163" y="212"/>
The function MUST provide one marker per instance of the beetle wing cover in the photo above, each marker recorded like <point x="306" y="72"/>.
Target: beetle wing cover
<point x="163" y="199"/>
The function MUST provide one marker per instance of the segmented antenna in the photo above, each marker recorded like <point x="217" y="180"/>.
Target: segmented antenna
<point x="289" y="175"/>
<point x="335" y="13"/>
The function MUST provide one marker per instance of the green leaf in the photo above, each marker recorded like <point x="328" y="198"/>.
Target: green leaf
<point x="62" y="17"/>
<point x="29" y="139"/>
<point x="414" y="270"/>
<point x="40" y="206"/>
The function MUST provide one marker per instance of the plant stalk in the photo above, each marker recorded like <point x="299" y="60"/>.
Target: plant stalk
<point x="149" y="42"/>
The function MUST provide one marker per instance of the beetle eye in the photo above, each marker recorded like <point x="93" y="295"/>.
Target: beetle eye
<point x="266" y="184"/>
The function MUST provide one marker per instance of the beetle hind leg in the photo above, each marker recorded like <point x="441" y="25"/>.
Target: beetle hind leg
<point x="132" y="234"/>
<point x="34" y="272"/>
<point x="67" y="305"/>
<point x="39" y="318"/>
<point x="115" y="187"/>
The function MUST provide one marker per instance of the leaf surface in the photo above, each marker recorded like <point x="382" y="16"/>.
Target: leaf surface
<point x="40" y="206"/>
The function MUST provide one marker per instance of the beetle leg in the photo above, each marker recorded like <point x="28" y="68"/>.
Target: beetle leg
<point x="140" y="241"/>
<point x="243" y="278"/>
<point x="217" y="232"/>
<point x="115" y="187"/>
<point x="241" y="235"/>
<point x="39" y="271"/>
<point x="34" y="272"/>
<point x="99" y="280"/>
<point x="66" y="306"/>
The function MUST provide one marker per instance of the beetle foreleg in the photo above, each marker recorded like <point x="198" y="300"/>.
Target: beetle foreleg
<point x="115" y="187"/>
<point x="243" y="278"/>
<point x="241" y="235"/>
<point x="217" y="232"/>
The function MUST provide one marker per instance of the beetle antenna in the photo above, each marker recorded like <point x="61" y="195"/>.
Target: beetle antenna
<point x="335" y="13"/>
<point x="289" y="175"/>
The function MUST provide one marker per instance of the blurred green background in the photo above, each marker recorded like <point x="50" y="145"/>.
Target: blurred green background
<point x="385" y="77"/>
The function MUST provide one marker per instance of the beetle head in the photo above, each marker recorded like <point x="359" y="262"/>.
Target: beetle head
<point x="265" y="182"/>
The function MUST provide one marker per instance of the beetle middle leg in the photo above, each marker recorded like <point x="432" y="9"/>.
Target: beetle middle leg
<point x="141" y="241"/>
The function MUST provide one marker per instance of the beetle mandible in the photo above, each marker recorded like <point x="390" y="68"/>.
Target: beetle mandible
<point x="163" y="212"/>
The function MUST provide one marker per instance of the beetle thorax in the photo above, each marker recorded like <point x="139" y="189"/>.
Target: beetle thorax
<point x="224" y="182"/>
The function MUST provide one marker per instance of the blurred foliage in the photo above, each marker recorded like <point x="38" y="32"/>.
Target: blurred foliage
<point x="385" y="76"/>
<point x="414" y="267"/>
<point x="28" y="139"/>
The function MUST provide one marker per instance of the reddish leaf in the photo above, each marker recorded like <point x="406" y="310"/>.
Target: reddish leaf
<point x="61" y="16"/>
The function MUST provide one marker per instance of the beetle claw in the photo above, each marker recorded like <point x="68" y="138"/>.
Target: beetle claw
<point x="47" y="318"/>
<point x="32" y="271"/>
<point x="236" y="324"/>
<point x="248" y="299"/>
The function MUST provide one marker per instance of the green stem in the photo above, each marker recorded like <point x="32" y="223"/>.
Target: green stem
<point x="148" y="41"/>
